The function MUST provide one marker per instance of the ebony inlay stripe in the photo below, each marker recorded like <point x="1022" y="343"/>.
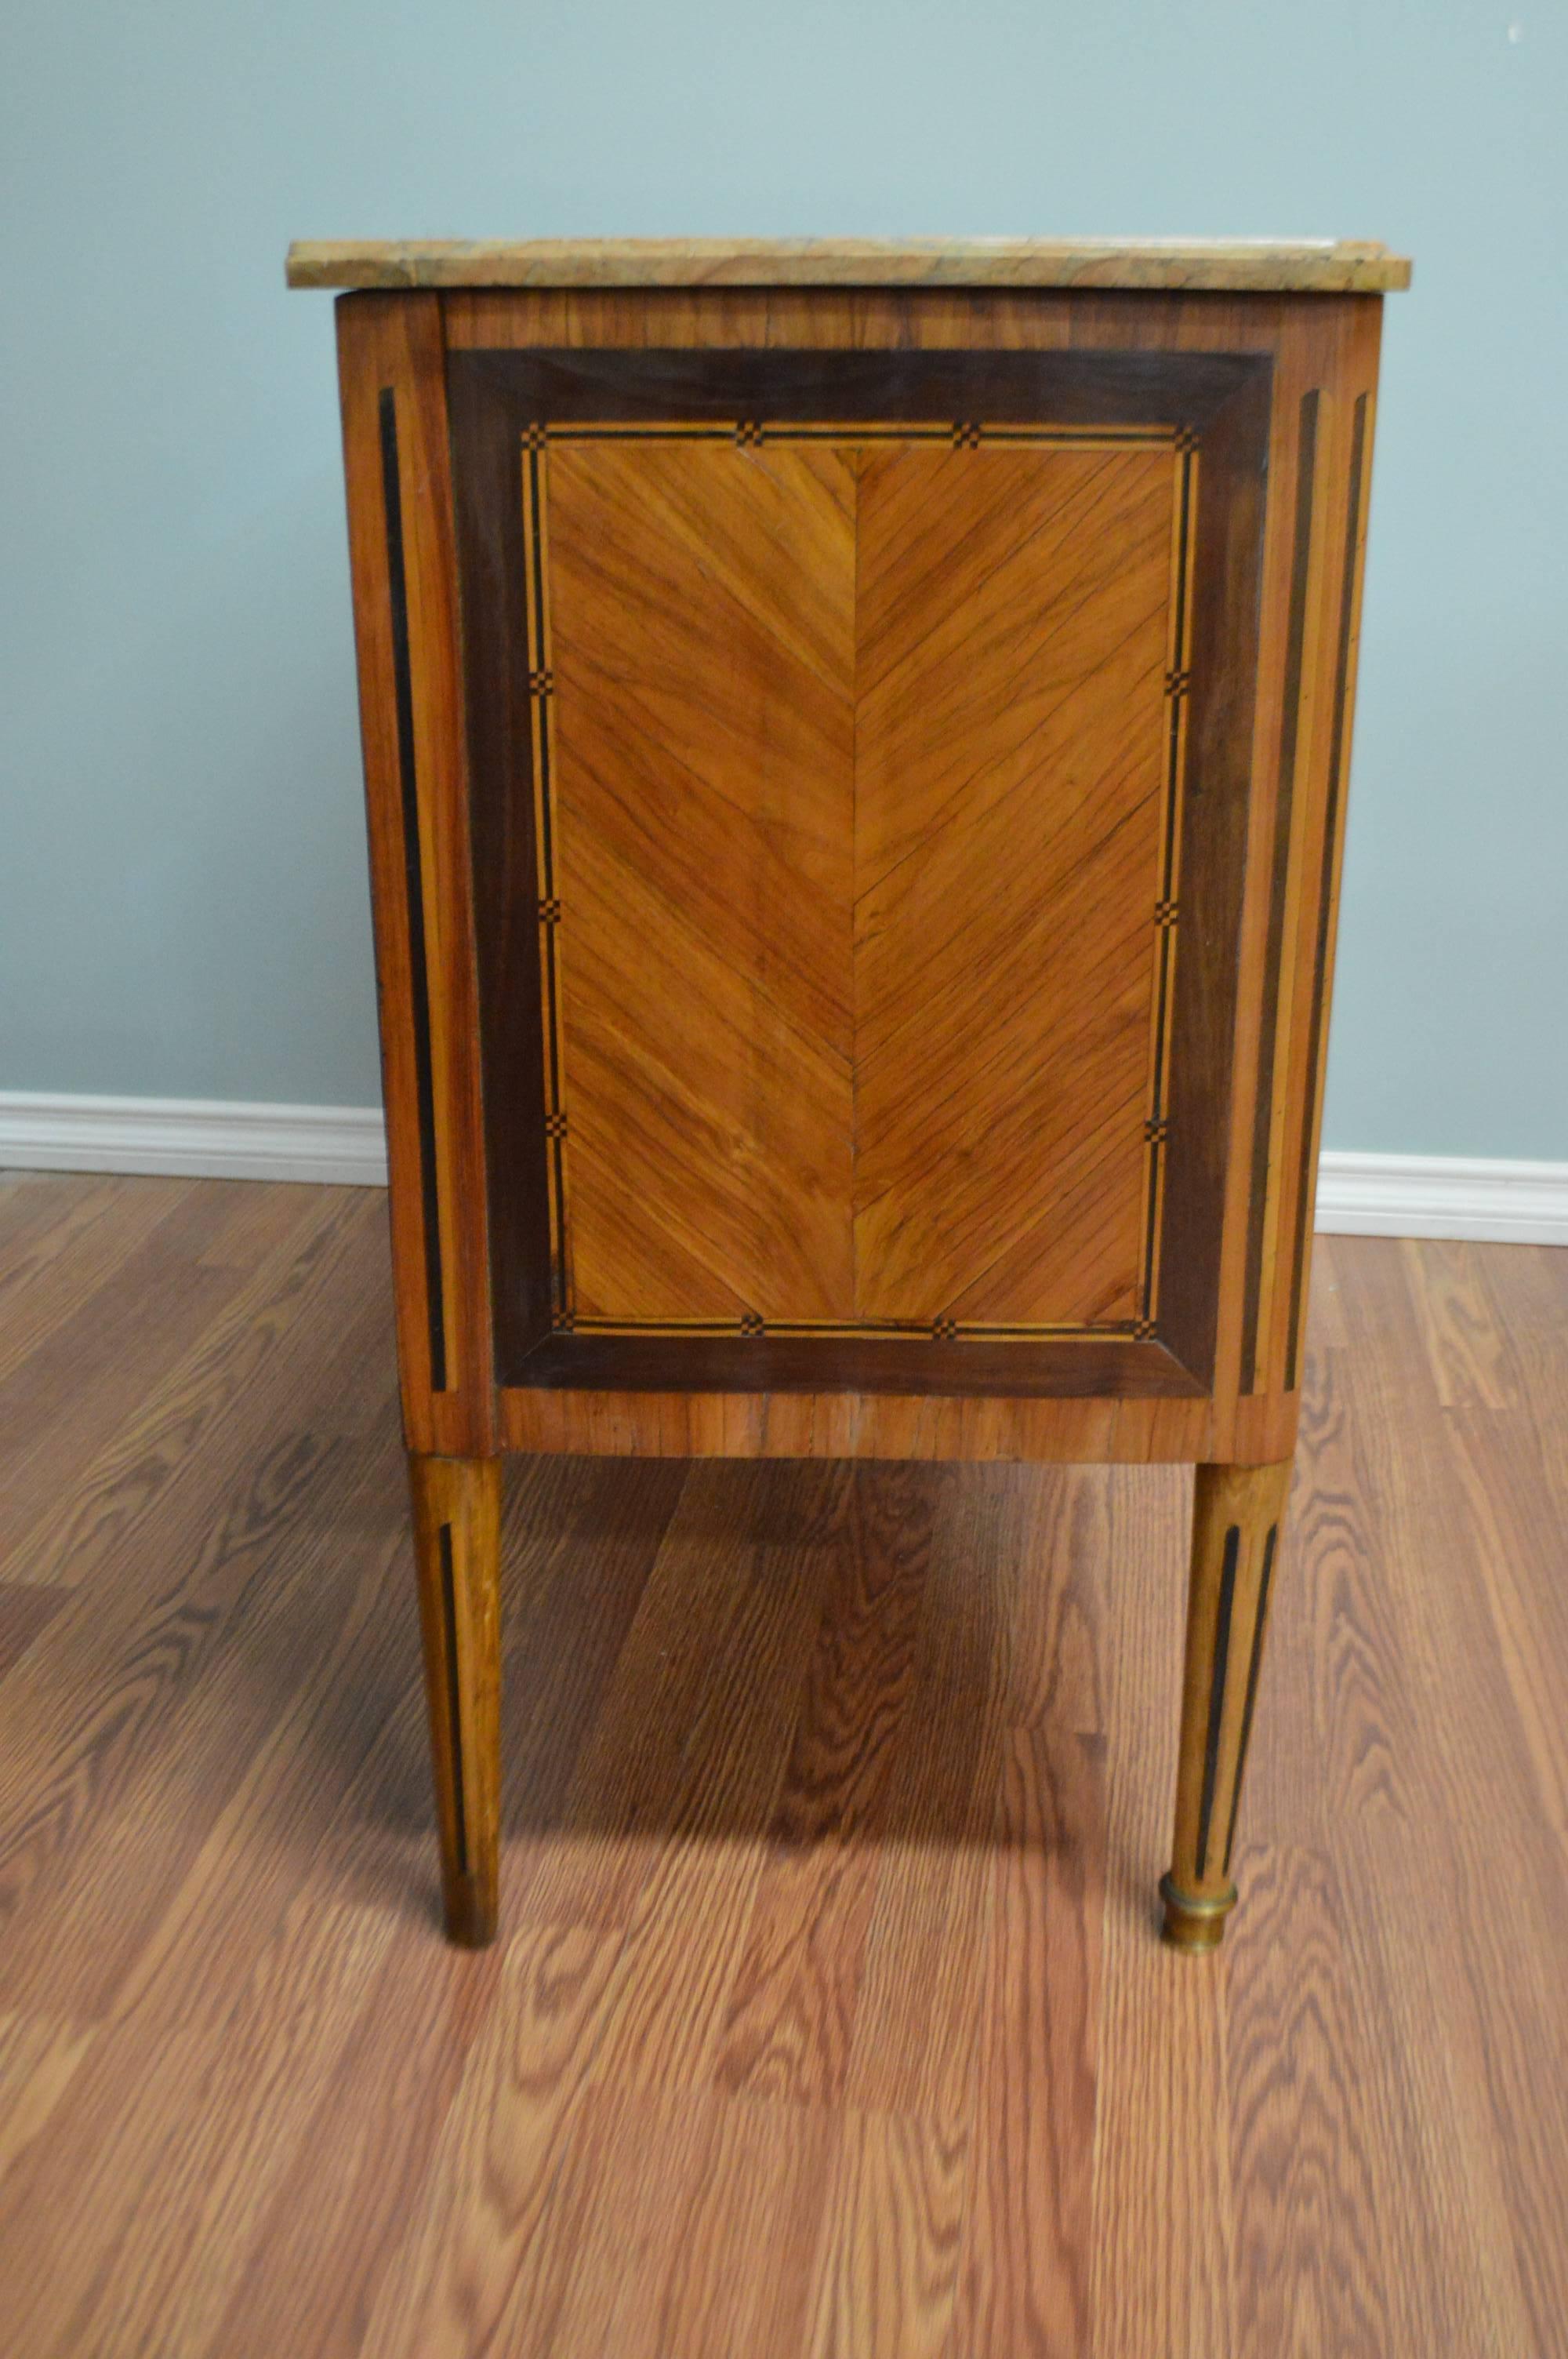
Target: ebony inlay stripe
<point x="1216" y="1691"/>
<point x="1252" y="1670"/>
<point x="413" y="875"/>
<point x="1334" y="806"/>
<point x="454" y="1698"/>
<point x="1290" y="731"/>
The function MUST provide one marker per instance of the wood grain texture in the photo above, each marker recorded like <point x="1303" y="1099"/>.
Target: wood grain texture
<point x="701" y="612"/>
<point x="1009" y="760"/>
<point x="24" y="1611"/>
<point x="250" y="2102"/>
<point x="1261" y="1049"/>
<point x="1238" y="1516"/>
<point x="457" y="1540"/>
<point x="796" y="1989"/>
<point x="946" y="1076"/>
<point x="1330" y="265"/>
<point x="396" y="463"/>
<point x="824" y="896"/>
<point x="865" y="1425"/>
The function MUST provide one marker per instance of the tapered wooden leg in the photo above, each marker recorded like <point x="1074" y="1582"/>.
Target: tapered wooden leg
<point x="457" y="1526"/>
<point x="1237" y="1515"/>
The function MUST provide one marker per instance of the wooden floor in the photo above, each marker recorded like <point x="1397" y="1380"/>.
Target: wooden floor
<point x="828" y="2016"/>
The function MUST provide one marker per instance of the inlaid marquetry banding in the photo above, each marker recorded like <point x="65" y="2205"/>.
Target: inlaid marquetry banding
<point x="1290" y="738"/>
<point x="753" y="434"/>
<point x="541" y="688"/>
<point x="414" y="886"/>
<point x="934" y="1330"/>
<point x="1216" y="1691"/>
<point x="1254" y="1667"/>
<point x="454" y="1696"/>
<point x="1178" y="687"/>
<point x="1339" y="755"/>
<point x="757" y="433"/>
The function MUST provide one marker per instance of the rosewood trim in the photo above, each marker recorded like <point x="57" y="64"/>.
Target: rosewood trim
<point x="1332" y="809"/>
<point x="414" y="872"/>
<point x="1086" y="1367"/>
<point x="502" y="402"/>
<point x="1290" y="728"/>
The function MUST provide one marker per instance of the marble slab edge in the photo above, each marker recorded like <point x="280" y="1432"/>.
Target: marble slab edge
<point x="1322" y="267"/>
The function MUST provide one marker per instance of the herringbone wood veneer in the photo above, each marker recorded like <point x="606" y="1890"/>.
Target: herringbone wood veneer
<point x="861" y="747"/>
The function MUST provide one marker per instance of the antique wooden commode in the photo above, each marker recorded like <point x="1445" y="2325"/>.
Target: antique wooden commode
<point x="856" y="742"/>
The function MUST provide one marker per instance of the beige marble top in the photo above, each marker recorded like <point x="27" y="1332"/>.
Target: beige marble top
<point x="1263" y="264"/>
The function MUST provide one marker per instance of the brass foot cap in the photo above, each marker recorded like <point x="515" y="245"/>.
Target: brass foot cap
<point x="1194" y="1923"/>
<point x="469" y="1918"/>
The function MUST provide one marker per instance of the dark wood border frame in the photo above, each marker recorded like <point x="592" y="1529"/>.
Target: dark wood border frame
<point x="1221" y="398"/>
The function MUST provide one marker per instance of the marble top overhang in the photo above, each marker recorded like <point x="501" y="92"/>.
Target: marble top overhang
<point x="1219" y="265"/>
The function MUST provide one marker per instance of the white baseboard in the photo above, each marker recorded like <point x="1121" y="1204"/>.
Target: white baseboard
<point x="198" y="1138"/>
<point x="1506" y="1203"/>
<point x="207" y="1138"/>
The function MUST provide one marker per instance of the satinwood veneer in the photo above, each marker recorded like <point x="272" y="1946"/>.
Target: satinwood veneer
<point x="856" y="743"/>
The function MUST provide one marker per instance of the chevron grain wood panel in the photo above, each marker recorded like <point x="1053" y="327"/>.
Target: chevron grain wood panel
<point x="854" y="758"/>
<point x="701" y="604"/>
<point x="1011" y="749"/>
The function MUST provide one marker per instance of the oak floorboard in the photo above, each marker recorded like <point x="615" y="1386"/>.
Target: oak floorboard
<point x="136" y="2210"/>
<point x="121" y="1338"/>
<point x="319" y="2252"/>
<point x="25" y="1609"/>
<point x="1468" y="1349"/>
<point x="887" y="2268"/>
<point x="915" y="2031"/>
<point x="704" y="2228"/>
<point x="1025" y="2280"/>
<point x="486" y="2256"/>
<point x="827" y="2016"/>
<point x="1456" y="1859"/>
<point x="245" y="1359"/>
<point x="1313" y="2259"/>
<point x="38" y="2055"/>
<point x="74" y="1233"/>
<point x="792" y="2007"/>
<point x="147" y="1719"/>
<point x="712" y="1668"/>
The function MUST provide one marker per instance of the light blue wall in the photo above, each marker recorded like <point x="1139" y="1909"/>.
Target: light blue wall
<point x="182" y="904"/>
